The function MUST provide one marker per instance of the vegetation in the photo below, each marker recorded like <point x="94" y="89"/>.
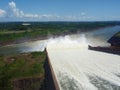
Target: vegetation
<point x="15" y="31"/>
<point x="118" y="34"/>
<point x="15" y="67"/>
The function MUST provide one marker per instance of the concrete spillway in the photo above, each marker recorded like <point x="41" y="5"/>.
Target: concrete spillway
<point x="77" y="68"/>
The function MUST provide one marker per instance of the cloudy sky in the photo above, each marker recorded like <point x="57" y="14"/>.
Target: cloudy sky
<point x="59" y="10"/>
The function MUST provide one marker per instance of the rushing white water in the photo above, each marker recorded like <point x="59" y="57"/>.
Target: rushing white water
<point x="77" y="68"/>
<point x="101" y="35"/>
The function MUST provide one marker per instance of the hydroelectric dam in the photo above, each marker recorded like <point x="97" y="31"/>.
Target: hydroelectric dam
<point x="74" y="67"/>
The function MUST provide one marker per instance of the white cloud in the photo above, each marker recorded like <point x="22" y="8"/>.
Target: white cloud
<point x="14" y="11"/>
<point x="70" y="18"/>
<point x="2" y="13"/>
<point x="12" y="4"/>
<point x="115" y="17"/>
<point x="31" y="15"/>
<point x="83" y="13"/>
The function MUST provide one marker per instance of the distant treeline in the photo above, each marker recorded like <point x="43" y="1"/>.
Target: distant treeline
<point x="16" y="30"/>
<point x="55" y="25"/>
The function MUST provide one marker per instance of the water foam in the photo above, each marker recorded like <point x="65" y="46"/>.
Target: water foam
<point x="67" y="42"/>
<point x="77" y="68"/>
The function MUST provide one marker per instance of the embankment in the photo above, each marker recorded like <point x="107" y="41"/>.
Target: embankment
<point x="113" y="50"/>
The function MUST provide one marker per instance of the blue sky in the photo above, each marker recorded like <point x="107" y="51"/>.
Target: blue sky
<point x="59" y="10"/>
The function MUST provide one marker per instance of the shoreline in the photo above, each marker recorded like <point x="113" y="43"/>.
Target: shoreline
<point x="21" y="41"/>
<point x="29" y="39"/>
<point x="111" y="50"/>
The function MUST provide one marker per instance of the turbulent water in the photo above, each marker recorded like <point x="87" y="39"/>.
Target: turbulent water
<point x="77" y="68"/>
<point x="101" y="35"/>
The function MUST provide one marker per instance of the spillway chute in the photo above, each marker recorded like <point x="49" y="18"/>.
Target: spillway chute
<point x="78" y="68"/>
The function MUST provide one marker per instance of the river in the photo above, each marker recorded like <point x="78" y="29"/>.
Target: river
<point x="39" y="45"/>
<point x="77" y="68"/>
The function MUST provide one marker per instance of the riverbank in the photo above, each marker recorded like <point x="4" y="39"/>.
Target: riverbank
<point x="22" y="40"/>
<point x="15" y="32"/>
<point x="22" y="71"/>
<point x="112" y="50"/>
<point x="35" y="38"/>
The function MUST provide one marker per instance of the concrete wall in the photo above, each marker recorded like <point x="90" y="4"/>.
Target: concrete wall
<point x="50" y="82"/>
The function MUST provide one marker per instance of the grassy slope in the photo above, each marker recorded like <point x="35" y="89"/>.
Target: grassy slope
<point x="118" y="34"/>
<point x="29" y="65"/>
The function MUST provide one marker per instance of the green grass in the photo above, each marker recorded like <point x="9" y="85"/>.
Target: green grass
<point x="29" y="65"/>
<point x="118" y="34"/>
